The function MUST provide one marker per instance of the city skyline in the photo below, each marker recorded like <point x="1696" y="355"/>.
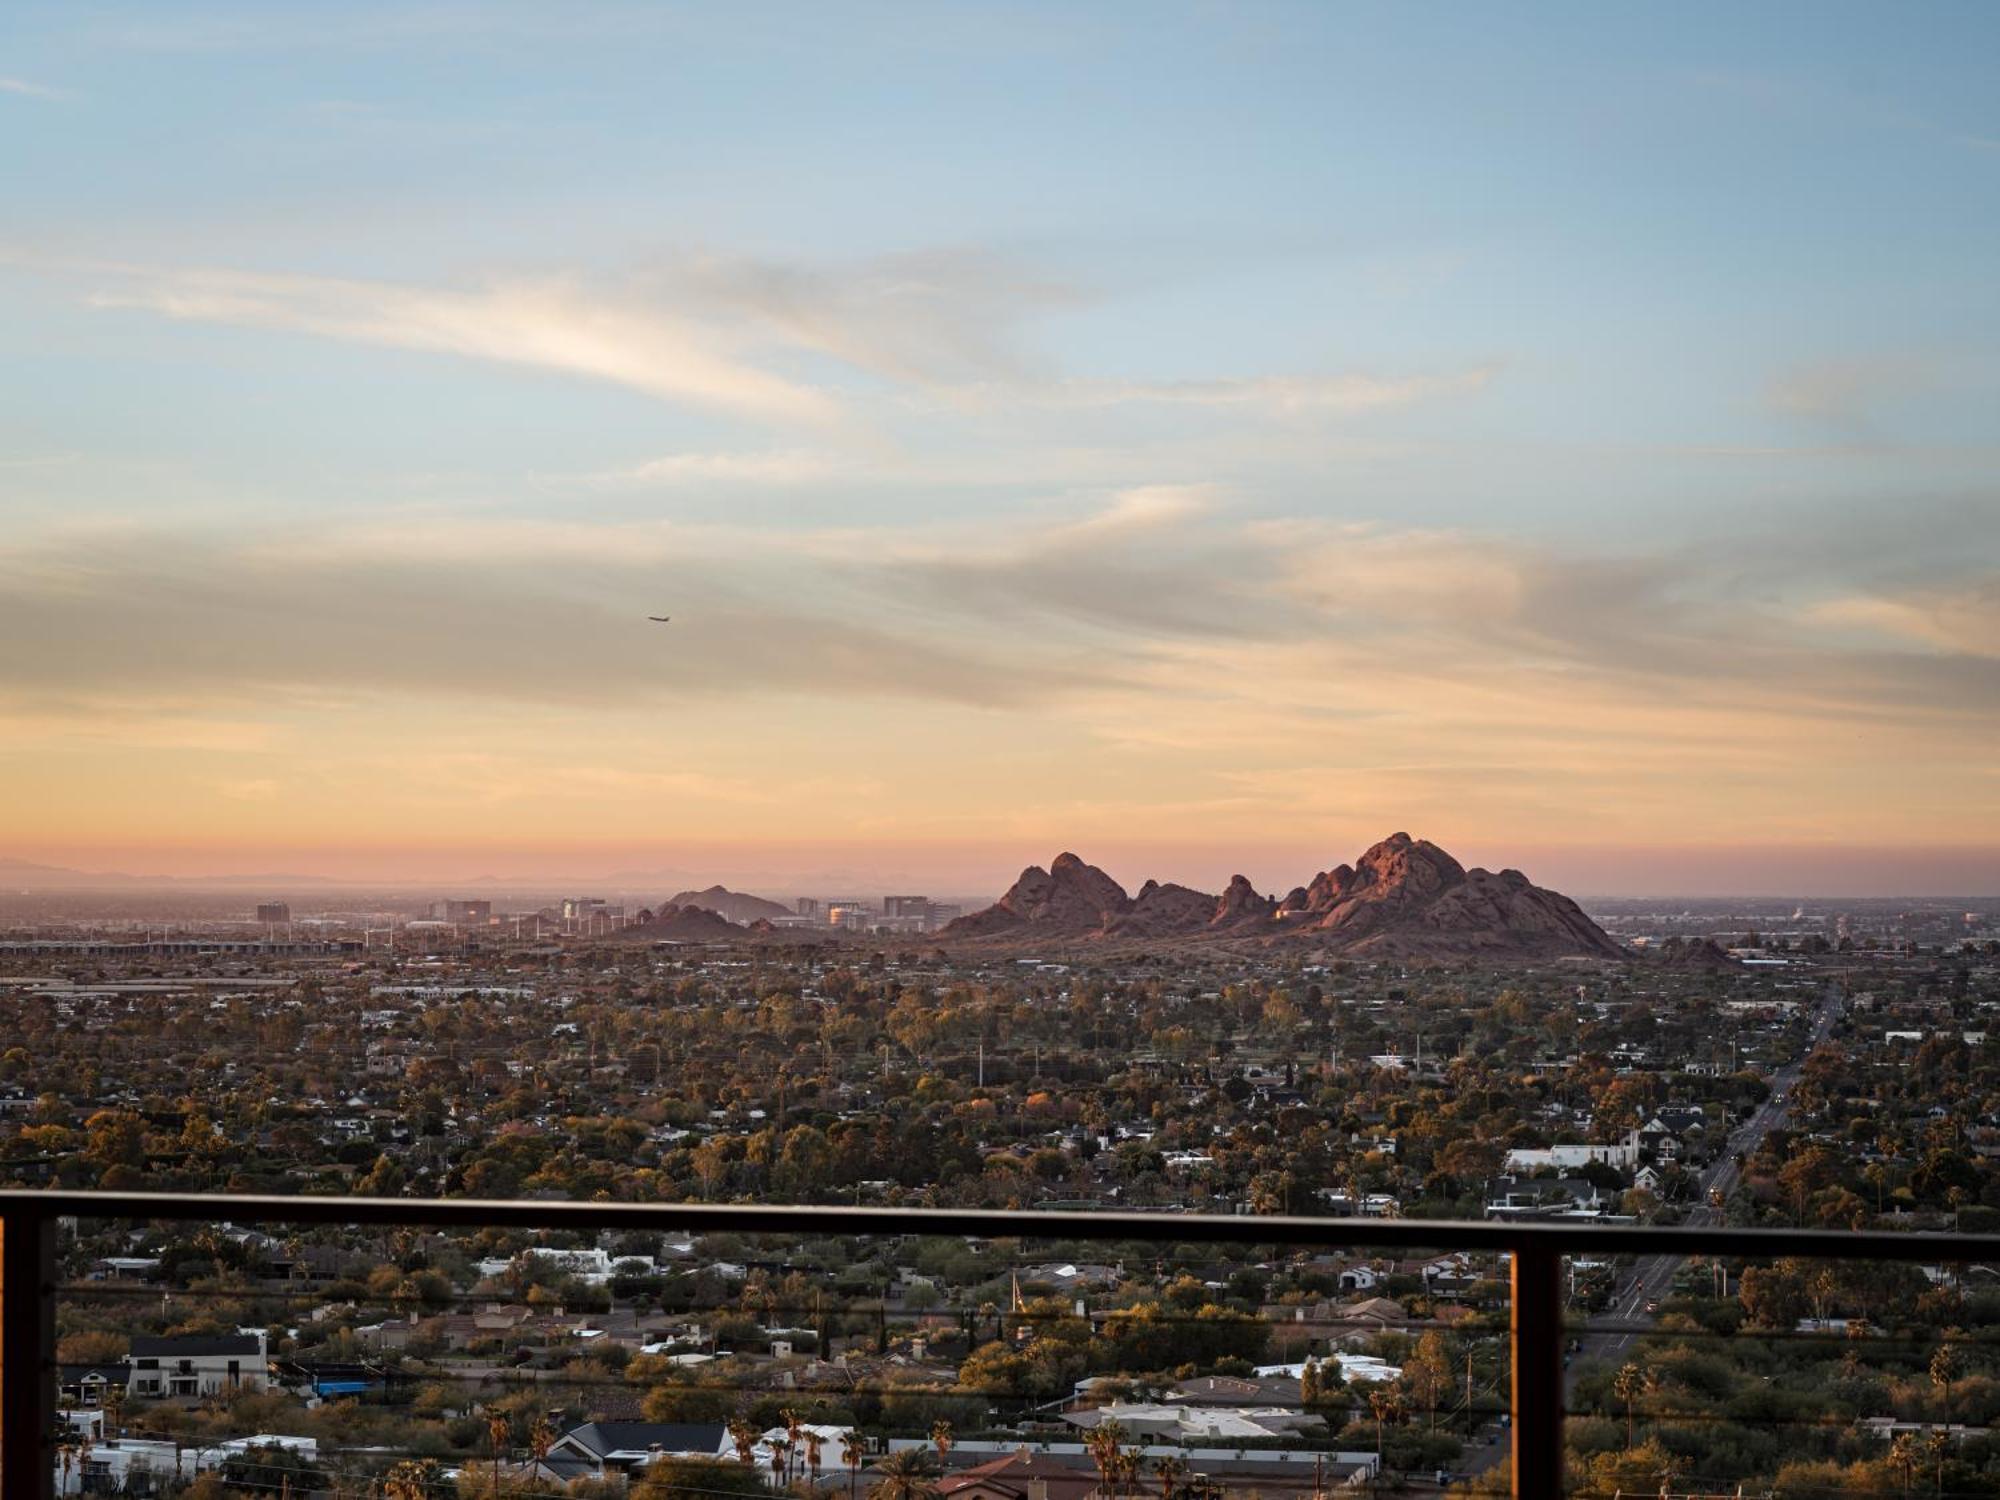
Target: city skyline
<point x="1205" y="442"/>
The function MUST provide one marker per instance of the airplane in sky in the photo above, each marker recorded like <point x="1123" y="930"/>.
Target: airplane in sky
<point x="659" y="619"/>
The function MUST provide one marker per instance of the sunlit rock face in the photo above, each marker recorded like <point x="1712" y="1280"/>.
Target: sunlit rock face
<point x="1404" y="896"/>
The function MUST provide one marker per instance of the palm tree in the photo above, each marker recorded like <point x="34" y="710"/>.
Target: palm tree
<point x="812" y="1441"/>
<point x="852" y="1452"/>
<point x="941" y="1437"/>
<point x="744" y="1436"/>
<point x="1170" y="1471"/>
<point x="781" y="1461"/>
<point x="1903" y="1457"/>
<point x="1937" y="1442"/>
<point x="906" y="1475"/>
<point x="1386" y="1405"/>
<point x="794" y="1429"/>
<point x="1628" y="1383"/>
<point x="1945" y="1367"/>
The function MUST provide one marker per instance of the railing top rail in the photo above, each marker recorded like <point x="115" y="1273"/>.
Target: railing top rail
<point x="1294" y="1230"/>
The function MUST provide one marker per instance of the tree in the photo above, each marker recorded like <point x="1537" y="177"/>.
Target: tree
<point x="852" y="1453"/>
<point x="1946" y="1367"/>
<point x="1429" y="1370"/>
<point x="274" y="1470"/>
<point x="1104" y="1445"/>
<point x="1628" y="1383"/>
<point x="1937" y="1443"/>
<point x="1386" y="1406"/>
<point x="906" y="1475"/>
<point x="417" y="1479"/>
<point x="814" y="1452"/>
<point x="696" y="1479"/>
<point x="1903" y="1458"/>
<point x="498" y="1431"/>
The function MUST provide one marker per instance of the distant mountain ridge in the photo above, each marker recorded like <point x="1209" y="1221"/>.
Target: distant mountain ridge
<point x="677" y="923"/>
<point x="1404" y="897"/>
<point x="735" y="905"/>
<point x="28" y="875"/>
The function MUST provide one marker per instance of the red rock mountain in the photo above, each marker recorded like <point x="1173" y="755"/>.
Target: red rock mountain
<point x="1404" y="897"/>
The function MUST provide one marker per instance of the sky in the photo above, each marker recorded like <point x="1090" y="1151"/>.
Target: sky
<point x="1206" y="437"/>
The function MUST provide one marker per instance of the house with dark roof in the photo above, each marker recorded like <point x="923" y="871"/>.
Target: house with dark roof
<point x="1236" y="1390"/>
<point x="598" y="1450"/>
<point x="85" y="1385"/>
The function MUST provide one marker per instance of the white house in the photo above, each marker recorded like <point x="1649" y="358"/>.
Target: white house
<point x="1568" y="1157"/>
<point x="192" y="1367"/>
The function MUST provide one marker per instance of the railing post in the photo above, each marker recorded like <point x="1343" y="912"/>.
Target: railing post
<point x="1537" y="1328"/>
<point x="27" y="1353"/>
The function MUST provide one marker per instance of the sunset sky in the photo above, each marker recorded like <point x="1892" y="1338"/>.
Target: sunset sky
<point x="1209" y="437"/>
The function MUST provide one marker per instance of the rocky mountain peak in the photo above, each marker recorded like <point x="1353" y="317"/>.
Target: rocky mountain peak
<point x="1404" y="896"/>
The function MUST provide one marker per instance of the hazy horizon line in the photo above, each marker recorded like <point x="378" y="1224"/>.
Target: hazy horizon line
<point x="1586" y="873"/>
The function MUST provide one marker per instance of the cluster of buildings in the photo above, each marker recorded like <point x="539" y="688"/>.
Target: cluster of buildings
<point x="892" y="914"/>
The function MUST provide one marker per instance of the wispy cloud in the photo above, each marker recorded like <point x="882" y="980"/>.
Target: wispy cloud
<point x="23" y="88"/>
<point x="1152" y="647"/>
<point x="926" y="318"/>
<point x="790" y="344"/>
<point x="557" y="323"/>
<point x="1964" y="619"/>
<point x="720" y="468"/>
<point x="233" y="621"/>
<point x="1281" y="393"/>
<point x="1845" y="394"/>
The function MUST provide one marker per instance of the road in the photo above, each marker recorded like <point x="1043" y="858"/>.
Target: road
<point x="1652" y="1278"/>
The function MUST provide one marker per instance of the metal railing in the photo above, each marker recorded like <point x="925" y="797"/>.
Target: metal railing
<point x="28" y="1272"/>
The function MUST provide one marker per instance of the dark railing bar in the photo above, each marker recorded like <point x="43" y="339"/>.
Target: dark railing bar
<point x="1535" y="1321"/>
<point x="832" y="1220"/>
<point x="27" y="1351"/>
<point x="28" y="1270"/>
